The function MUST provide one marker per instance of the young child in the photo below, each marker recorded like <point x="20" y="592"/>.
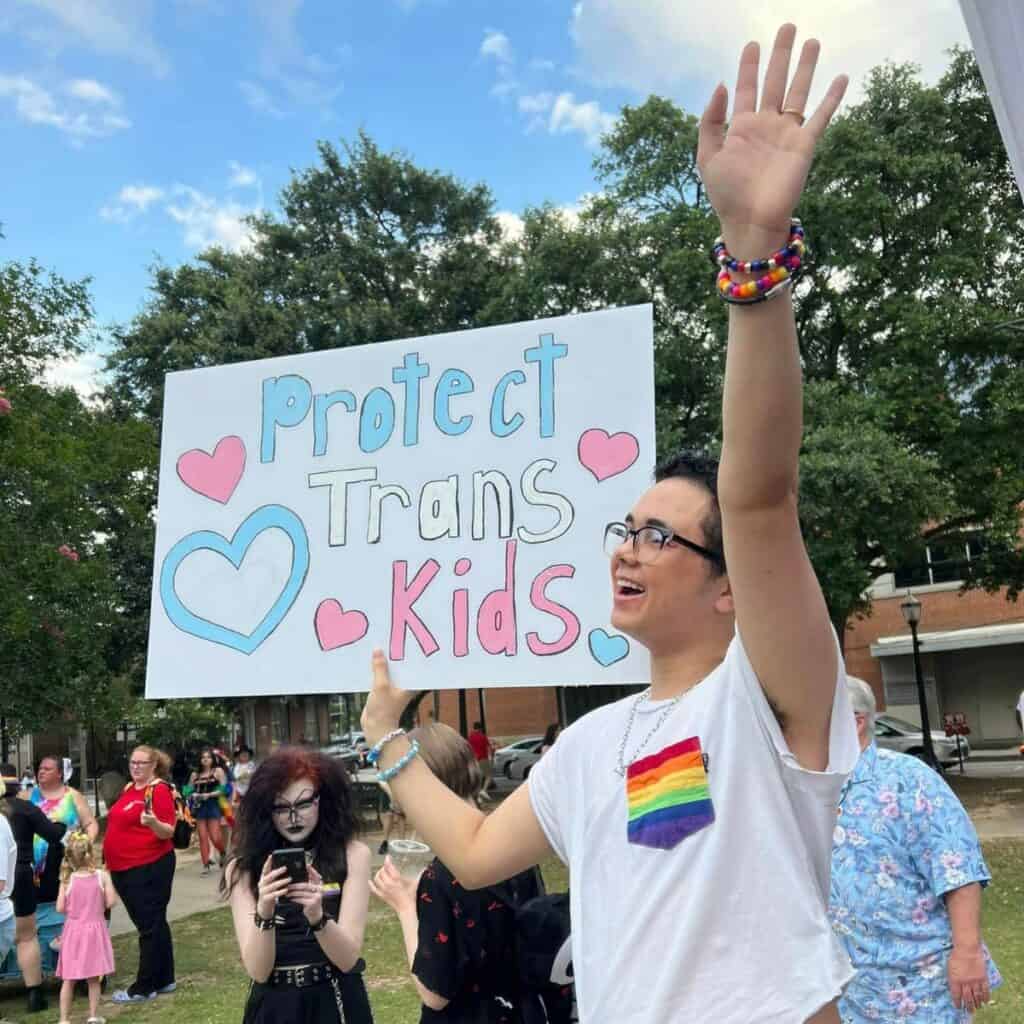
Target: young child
<point x="85" y="950"/>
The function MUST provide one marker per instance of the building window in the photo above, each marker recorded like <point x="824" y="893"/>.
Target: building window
<point x="278" y="721"/>
<point x="343" y="711"/>
<point x="311" y="722"/>
<point x="945" y="561"/>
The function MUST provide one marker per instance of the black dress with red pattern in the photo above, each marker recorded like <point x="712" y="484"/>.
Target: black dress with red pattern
<point x="467" y="947"/>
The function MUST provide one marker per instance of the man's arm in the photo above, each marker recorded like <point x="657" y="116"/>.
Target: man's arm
<point x="478" y="849"/>
<point x="968" y="971"/>
<point x="754" y="176"/>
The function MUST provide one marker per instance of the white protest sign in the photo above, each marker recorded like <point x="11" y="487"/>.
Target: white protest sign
<point x="996" y="28"/>
<point x="442" y="498"/>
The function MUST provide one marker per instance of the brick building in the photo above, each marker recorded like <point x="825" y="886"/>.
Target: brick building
<point x="972" y="654"/>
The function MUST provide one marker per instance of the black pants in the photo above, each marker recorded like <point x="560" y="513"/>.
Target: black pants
<point x="145" y="893"/>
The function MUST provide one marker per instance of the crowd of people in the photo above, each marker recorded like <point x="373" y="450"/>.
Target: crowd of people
<point x="739" y="849"/>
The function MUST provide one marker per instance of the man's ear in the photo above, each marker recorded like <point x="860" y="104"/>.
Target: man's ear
<point x="723" y="601"/>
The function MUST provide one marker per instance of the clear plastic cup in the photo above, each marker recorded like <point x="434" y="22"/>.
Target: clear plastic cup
<point x="409" y="856"/>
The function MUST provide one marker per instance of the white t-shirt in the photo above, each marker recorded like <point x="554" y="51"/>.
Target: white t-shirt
<point x="728" y="922"/>
<point x="8" y="861"/>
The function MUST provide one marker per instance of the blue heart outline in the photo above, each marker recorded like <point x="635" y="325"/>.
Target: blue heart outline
<point x="267" y="517"/>
<point x="607" y="649"/>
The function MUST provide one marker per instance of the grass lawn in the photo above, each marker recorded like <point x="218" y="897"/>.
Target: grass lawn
<point x="212" y="987"/>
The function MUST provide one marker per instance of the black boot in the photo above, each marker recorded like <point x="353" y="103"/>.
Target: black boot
<point x="36" y="999"/>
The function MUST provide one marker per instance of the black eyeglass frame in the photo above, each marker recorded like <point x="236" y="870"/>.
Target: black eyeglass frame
<point x="666" y="535"/>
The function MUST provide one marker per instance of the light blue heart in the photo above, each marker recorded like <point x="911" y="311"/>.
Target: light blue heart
<point x="269" y="517"/>
<point x="607" y="649"/>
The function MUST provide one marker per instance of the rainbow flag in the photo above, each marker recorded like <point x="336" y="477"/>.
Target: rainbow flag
<point x="668" y="796"/>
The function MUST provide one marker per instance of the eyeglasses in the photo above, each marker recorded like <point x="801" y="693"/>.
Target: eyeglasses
<point x="138" y="764"/>
<point x="297" y="809"/>
<point x="650" y="541"/>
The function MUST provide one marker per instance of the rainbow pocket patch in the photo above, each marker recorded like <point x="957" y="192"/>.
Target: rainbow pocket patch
<point x="668" y="796"/>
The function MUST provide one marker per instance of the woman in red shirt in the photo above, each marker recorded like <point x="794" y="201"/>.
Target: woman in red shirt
<point x="139" y="853"/>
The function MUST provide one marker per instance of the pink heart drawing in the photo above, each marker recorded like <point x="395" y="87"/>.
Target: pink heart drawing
<point x="336" y="627"/>
<point x="605" y="454"/>
<point x="214" y="476"/>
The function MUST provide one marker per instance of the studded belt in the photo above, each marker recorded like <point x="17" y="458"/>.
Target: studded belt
<point x="301" y="977"/>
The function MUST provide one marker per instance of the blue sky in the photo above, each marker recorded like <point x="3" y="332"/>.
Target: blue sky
<point x="138" y="130"/>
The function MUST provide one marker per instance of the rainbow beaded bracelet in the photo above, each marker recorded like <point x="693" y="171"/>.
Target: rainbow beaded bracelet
<point x="778" y="270"/>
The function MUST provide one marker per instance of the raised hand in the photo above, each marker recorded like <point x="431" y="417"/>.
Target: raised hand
<point x="755" y="172"/>
<point x="385" y="703"/>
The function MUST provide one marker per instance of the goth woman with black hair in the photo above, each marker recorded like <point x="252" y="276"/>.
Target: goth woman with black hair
<point x="300" y="937"/>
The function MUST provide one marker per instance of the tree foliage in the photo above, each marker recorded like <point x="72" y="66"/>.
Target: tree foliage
<point x="66" y="471"/>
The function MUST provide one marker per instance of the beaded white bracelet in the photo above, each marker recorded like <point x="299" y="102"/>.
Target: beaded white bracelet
<point x="389" y="773"/>
<point x="375" y="751"/>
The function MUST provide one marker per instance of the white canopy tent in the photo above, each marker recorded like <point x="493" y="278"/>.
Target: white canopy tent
<point x="997" y="33"/>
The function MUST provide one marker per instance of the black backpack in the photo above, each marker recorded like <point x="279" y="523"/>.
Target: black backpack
<point x="544" y="949"/>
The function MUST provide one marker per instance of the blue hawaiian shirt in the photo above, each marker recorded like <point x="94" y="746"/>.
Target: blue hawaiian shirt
<point x="902" y="841"/>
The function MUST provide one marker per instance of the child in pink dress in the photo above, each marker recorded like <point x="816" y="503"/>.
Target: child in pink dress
<point x="85" y="949"/>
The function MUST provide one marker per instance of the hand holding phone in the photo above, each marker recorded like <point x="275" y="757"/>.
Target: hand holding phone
<point x="294" y="859"/>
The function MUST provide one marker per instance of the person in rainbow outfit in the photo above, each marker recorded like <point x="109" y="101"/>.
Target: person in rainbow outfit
<point x="696" y="817"/>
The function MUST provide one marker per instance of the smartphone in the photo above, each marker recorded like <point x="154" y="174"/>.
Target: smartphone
<point x="294" y="859"/>
<point x="147" y="802"/>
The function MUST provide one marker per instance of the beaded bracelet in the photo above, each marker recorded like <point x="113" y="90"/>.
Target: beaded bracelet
<point x="389" y="773"/>
<point x="264" y="924"/>
<point x="779" y="270"/>
<point x="375" y="751"/>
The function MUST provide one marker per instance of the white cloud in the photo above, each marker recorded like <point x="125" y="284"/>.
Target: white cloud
<point x="83" y="373"/>
<point x="110" y="27"/>
<point x="205" y="220"/>
<point x="496" y="44"/>
<point x="36" y="105"/>
<point x="562" y="115"/>
<point x="511" y="224"/>
<point x="538" y="103"/>
<point x="132" y="200"/>
<point x="660" y="46"/>
<point x="305" y="78"/>
<point x="140" y="196"/>
<point x="241" y="176"/>
<point x="259" y="98"/>
<point x="208" y="221"/>
<point x="91" y="91"/>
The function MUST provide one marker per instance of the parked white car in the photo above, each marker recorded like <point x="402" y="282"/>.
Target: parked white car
<point x="895" y="734"/>
<point x="516" y="760"/>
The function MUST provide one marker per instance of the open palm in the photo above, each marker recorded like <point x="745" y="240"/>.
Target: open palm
<point x="755" y="172"/>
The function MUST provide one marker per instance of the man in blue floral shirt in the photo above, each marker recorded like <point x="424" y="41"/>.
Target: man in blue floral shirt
<point x="907" y="874"/>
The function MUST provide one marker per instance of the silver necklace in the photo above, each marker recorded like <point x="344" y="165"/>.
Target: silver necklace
<point x="666" y="711"/>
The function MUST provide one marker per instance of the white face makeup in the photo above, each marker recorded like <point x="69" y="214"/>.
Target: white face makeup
<point x="296" y="811"/>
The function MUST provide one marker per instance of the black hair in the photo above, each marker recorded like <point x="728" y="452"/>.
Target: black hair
<point x="702" y="470"/>
<point x="255" y="834"/>
<point x="478" y="725"/>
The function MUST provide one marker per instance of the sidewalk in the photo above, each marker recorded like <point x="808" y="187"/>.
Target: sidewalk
<point x="997" y="754"/>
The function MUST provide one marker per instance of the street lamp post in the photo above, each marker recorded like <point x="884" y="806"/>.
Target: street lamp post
<point x="911" y="609"/>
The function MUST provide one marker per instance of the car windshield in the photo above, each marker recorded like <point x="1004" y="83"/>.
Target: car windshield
<point x="898" y="723"/>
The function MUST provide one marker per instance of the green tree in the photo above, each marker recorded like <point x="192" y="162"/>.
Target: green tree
<point x="64" y="467"/>
<point x="182" y="724"/>
<point x="914" y="387"/>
